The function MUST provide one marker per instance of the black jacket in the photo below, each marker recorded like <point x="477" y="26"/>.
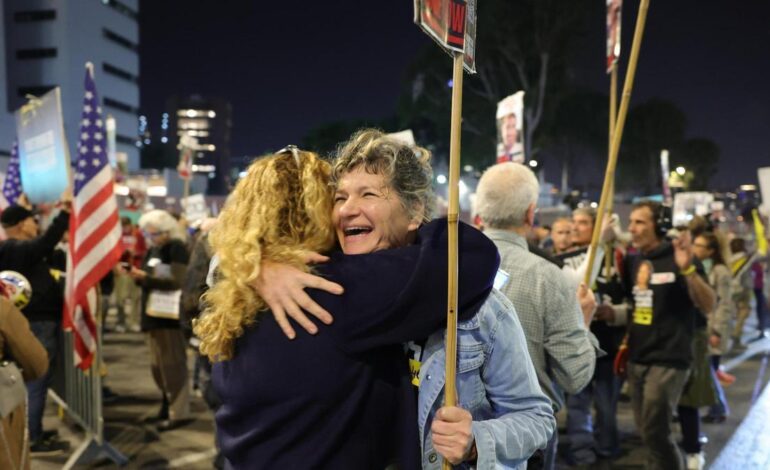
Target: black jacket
<point x="31" y="258"/>
<point x="343" y="399"/>
<point x="667" y="339"/>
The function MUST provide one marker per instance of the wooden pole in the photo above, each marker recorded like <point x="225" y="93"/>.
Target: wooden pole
<point x="453" y="215"/>
<point x="617" y="133"/>
<point x="613" y="117"/>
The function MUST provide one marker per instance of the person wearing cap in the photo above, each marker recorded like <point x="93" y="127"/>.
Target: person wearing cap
<point x="27" y="252"/>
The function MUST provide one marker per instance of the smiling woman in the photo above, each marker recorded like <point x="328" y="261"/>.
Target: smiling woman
<point x="383" y="192"/>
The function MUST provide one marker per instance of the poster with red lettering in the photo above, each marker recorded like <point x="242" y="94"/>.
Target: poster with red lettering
<point x="452" y="24"/>
<point x="614" y="8"/>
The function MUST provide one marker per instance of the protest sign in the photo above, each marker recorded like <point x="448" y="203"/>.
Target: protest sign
<point x="763" y="174"/>
<point x="689" y="204"/>
<point x="614" y="8"/>
<point x="194" y="208"/>
<point x="510" y="138"/>
<point x="452" y="24"/>
<point x="43" y="154"/>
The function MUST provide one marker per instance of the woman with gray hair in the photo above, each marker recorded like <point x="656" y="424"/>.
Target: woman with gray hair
<point x="161" y="278"/>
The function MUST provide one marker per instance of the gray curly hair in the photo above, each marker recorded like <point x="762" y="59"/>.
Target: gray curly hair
<point x="406" y="168"/>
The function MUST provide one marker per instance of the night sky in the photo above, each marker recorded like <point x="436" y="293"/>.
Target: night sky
<point x="287" y="67"/>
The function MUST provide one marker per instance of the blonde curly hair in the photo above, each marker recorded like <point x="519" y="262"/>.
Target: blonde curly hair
<point x="280" y="209"/>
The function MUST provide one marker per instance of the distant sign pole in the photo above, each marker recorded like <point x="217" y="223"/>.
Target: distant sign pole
<point x="617" y="134"/>
<point x="452" y="23"/>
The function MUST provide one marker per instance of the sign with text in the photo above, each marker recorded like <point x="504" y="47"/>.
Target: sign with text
<point x="452" y="24"/>
<point x="43" y="155"/>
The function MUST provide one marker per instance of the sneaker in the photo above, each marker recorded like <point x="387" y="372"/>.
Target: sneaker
<point x="120" y="329"/>
<point x="724" y="378"/>
<point x="696" y="461"/>
<point x="42" y="447"/>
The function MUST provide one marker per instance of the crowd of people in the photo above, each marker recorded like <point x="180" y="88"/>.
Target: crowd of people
<point x="339" y="269"/>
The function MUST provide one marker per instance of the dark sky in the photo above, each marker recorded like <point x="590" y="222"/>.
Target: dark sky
<point x="290" y="66"/>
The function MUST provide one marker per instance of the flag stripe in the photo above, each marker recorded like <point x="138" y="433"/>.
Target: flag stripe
<point x="88" y="225"/>
<point x="89" y="263"/>
<point x="92" y="188"/>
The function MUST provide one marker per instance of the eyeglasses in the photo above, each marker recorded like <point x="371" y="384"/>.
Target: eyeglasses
<point x="152" y="234"/>
<point x="292" y="149"/>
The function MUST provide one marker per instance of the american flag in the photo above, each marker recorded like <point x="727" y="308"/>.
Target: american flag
<point x="12" y="186"/>
<point x="95" y="242"/>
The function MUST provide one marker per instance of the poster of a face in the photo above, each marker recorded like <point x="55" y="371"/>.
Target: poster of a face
<point x="614" y="8"/>
<point x="510" y="138"/>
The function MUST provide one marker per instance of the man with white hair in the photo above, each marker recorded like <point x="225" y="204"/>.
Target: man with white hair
<point x="562" y="349"/>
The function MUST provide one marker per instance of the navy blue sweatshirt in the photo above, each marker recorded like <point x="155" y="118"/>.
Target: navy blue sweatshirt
<point x="343" y="398"/>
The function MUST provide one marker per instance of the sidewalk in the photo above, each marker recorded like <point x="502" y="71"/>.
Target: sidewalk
<point x="127" y="358"/>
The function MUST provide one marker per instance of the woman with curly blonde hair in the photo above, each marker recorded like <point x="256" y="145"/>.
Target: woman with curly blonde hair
<point x="341" y="398"/>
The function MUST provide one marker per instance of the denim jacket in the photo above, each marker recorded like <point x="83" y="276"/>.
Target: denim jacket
<point x="496" y="382"/>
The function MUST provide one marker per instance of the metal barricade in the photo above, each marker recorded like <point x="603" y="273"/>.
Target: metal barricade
<point x="82" y="401"/>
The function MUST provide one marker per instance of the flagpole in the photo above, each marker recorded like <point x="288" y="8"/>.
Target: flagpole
<point x="617" y="134"/>
<point x="450" y="385"/>
<point x="613" y="117"/>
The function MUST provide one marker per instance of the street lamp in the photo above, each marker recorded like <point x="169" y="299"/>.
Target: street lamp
<point x="681" y="170"/>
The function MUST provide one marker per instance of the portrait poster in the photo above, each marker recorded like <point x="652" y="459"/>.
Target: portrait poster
<point x="614" y="8"/>
<point x="43" y="154"/>
<point x="510" y="135"/>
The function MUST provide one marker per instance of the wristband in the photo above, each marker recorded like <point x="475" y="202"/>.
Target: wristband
<point x="688" y="271"/>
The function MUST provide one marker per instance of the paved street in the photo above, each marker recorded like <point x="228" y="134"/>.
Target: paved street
<point x="192" y="447"/>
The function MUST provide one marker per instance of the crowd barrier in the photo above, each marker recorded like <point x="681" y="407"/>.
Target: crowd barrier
<point x="82" y="401"/>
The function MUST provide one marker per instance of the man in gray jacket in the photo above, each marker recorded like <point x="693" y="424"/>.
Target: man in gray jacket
<point x="562" y="349"/>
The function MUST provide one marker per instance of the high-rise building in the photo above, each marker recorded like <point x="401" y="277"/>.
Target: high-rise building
<point x="47" y="44"/>
<point x="209" y="121"/>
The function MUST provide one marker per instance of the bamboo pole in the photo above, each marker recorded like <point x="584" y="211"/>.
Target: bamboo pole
<point x="453" y="214"/>
<point x="617" y="133"/>
<point x="613" y="117"/>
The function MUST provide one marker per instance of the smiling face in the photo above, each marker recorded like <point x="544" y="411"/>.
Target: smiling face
<point x="368" y="215"/>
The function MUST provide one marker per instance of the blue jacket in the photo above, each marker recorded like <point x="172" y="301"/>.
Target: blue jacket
<point x="496" y="382"/>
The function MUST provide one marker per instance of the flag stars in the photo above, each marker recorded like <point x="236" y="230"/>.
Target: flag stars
<point x="84" y="136"/>
<point x="99" y="123"/>
<point x="98" y="136"/>
<point x="95" y="162"/>
<point x="82" y="163"/>
<point x="87" y="108"/>
<point x="89" y="95"/>
<point x="86" y="122"/>
<point x="83" y="149"/>
<point x="97" y="148"/>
